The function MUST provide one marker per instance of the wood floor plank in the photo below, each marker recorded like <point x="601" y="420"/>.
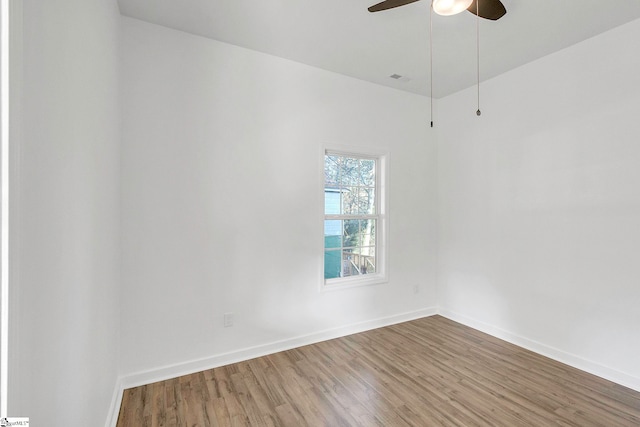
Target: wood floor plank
<point x="430" y="371"/>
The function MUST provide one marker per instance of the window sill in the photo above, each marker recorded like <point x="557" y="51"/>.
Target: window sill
<point x="353" y="282"/>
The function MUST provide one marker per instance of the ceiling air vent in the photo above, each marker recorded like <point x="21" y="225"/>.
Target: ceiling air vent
<point x="400" y="78"/>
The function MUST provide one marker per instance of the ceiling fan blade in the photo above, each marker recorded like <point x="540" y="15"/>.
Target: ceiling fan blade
<point x="389" y="4"/>
<point x="488" y="9"/>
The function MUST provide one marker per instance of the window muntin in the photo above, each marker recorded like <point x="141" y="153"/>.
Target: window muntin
<point x="352" y="220"/>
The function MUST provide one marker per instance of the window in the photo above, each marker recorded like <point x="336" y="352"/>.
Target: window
<point x="353" y="219"/>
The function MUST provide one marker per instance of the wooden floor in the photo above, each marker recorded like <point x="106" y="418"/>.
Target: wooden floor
<point x="428" y="372"/>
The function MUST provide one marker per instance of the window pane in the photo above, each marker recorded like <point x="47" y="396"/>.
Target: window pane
<point x="365" y="259"/>
<point x="358" y="201"/>
<point x="332" y="267"/>
<point x="368" y="233"/>
<point x="349" y="267"/>
<point x="367" y="173"/>
<point x="350" y="201"/>
<point x="351" y="235"/>
<point x="331" y="201"/>
<point x="332" y="233"/>
<point x="350" y="171"/>
<point x="366" y="200"/>
<point x="331" y="171"/>
<point x="368" y="260"/>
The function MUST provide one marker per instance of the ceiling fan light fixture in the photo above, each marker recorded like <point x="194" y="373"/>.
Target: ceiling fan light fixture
<point x="450" y="7"/>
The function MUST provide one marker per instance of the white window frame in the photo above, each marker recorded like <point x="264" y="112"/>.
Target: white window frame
<point x="382" y="235"/>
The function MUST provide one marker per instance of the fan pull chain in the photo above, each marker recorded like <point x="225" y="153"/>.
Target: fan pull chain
<point x="478" y="112"/>
<point x="431" y="60"/>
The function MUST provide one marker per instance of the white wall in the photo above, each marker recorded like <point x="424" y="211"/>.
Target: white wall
<point x="221" y="208"/>
<point x="65" y="287"/>
<point x="539" y="204"/>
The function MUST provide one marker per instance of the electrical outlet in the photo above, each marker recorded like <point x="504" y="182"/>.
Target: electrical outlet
<point x="228" y="320"/>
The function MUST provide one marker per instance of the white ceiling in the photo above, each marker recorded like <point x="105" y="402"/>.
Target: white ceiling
<point x="343" y="37"/>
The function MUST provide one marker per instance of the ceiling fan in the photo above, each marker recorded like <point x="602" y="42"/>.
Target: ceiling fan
<point x="487" y="9"/>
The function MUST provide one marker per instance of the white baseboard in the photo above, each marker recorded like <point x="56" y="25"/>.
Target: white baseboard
<point x="114" y="408"/>
<point x="591" y="367"/>
<point x="185" y="368"/>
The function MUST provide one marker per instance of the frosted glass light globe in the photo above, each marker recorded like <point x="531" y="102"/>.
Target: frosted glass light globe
<point x="450" y="7"/>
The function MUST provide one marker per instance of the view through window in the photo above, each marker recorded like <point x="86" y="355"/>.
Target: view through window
<point x="351" y="215"/>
